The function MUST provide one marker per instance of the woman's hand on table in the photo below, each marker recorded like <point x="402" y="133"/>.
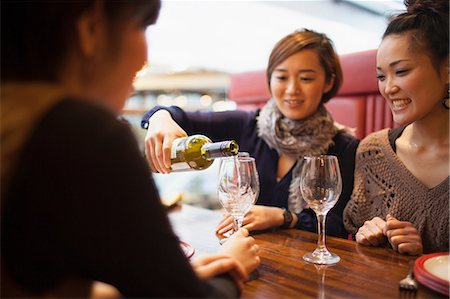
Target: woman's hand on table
<point x="215" y="264"/>
<point x="258" y="218"/>
<point x="403" y="236"/>
<point x="371" y="233"/>
<point x="243" y="249"/>
<point x="162" y="131"/>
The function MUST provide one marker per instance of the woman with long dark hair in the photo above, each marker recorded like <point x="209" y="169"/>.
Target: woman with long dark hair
<point x="78" y="202"/>
<point x="402" y="175"/>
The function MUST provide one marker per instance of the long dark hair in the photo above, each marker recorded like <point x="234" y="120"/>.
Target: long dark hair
<point x="36" y="35"/>
<point x="309" y="39"/>
<point x="427" y="21"/>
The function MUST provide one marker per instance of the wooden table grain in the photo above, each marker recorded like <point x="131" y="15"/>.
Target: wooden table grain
<point x="363" y="272"/>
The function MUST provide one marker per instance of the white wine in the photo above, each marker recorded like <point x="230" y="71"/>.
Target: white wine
<point x="198" y="152"/>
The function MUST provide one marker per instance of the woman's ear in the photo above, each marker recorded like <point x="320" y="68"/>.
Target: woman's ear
<point x="90" y="30"/>
<point x="445" y="71"/>
<point x="329" y="85"/>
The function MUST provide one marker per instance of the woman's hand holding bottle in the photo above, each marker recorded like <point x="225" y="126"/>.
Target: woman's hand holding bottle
<point x="162" y="131"/>
<point x="168" y="148"/>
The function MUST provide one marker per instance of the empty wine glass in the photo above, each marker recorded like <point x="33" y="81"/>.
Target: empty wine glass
<point x="238" y="186"/>
<point x="321" y="186"/>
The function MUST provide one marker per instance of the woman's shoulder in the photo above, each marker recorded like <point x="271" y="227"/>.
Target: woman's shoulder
<point x="374" y="146"/>
<point x="72" y="109"/>
<point x="73" y="119"/>
<point x="375" y="139"/>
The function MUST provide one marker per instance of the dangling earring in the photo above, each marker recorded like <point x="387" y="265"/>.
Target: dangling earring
<point x="446" y="100"/>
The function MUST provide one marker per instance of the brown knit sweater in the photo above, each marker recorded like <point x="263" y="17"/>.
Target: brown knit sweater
<point x="383" y="185"/>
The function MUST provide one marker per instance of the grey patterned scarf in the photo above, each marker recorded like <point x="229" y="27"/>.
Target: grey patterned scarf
<point x="299" y="138"/>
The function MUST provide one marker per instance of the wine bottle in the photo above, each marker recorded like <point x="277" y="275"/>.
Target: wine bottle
<point x="198" y="152"/>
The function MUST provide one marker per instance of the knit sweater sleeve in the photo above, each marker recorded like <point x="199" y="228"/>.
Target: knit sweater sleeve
<point x="358" y="209"/>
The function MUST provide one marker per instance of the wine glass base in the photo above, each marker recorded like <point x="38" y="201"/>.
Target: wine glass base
<point x="223" y="237"/>
<point x="223" y="241"/>
<point x="323" y="257"/>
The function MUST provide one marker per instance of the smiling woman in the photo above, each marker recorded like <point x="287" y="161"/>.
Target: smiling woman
<point x="293" y="124"/>
<point x="402" y="175"/>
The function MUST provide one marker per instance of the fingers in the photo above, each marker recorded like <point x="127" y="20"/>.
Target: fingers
<point x="158" y="151"/>
<point x="153" y="144"/>
<point x="367" y="237"/>
<point x="157" y="156"/>
<point x="361" y="238"/>
<point x="371" y="233"/>
<point x="148" y="152"/>
<point x="249" y="222"/>
<point x="244" y="232"/>
<point x="389" y="217"/>
<point x="207" y="259"/>
<point x="239" y="272"/>
<point x="410" y="248"/>
<point x="225" y="225"/>
<point x="404" y="237"/>
<point x="406" y="230"/>
<point x="162" y="131"/>
<point x="378" y="222"/>
<point x="256" y="248"/>
<point x="224" y="229"/>
<point x="226" y="217"/>
<point x="166" y="153"/>
<point x="393" y="223"/>
<point x="243" y="249"/>
<point x="215" y="267"/>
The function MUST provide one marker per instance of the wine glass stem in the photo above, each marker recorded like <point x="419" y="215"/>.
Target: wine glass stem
<point x="237" y="223"/>
<point x="321" y="231"/>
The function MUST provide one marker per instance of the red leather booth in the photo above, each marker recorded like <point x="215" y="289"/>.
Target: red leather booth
<point x="358" y="103"/>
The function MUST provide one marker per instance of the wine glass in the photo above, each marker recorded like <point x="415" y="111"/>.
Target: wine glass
<point x="238" y="186"/>
<point x="321" y="186"/>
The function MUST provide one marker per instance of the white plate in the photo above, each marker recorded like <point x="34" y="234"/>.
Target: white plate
<point x="438" y="266"/>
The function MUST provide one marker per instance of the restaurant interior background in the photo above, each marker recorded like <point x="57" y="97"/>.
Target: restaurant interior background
<point x="195" y="45"/>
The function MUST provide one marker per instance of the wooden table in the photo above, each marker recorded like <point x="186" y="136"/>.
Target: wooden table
<point x="363" y="272"/>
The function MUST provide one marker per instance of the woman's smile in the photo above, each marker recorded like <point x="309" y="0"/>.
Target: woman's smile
<point x="399" y="104"/>
<point x="293" y="103"/>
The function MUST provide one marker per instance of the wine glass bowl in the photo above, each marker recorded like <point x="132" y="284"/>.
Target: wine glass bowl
<point x="321" y="186"/>
<point x="238" y="186"/>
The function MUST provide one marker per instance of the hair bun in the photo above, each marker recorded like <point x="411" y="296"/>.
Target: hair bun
<point x="427" y="7"/>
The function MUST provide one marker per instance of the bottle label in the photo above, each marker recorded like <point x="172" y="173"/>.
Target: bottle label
<point x="177" y="148"/>
<point x="175" y="144"/>
<point x="182" y="166"/>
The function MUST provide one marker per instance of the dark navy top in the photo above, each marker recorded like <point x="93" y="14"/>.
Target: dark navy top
<point x="241" y="126"/>
<point x="82" y="203"/>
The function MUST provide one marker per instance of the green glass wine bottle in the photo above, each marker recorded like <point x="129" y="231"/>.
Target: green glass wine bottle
<point x="197" y="152"/>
